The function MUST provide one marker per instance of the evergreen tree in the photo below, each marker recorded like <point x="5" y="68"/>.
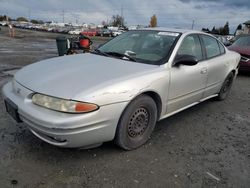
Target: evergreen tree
<point x="226" y="29"/>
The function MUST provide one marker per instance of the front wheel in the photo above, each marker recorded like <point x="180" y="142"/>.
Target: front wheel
<point x="136" y="123"/>
<point x="226" y="87"/>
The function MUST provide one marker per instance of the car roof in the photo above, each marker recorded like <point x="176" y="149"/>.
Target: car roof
<point x="182" y="31"/>
<point x="243" y="35"/>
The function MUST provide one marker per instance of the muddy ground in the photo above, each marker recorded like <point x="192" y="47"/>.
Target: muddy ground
<point x="205" y="146"/>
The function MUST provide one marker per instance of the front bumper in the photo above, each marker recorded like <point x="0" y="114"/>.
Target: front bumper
<point x="63" y="129"/>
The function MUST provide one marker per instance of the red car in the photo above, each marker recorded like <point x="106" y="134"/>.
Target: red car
<point x="242" y="46"/>
<point x="89" y="33"/>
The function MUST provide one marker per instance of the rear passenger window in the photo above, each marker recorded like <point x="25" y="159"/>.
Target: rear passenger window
<point x="211" y="46"/>
<point x="222" y="49"/>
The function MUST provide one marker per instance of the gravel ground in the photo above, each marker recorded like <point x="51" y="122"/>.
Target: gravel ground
<point x="207" y="145"/>
<point x="31" y="46"/>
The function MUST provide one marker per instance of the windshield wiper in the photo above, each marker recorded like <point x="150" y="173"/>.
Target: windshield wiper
<point x="117" y="54"/>
<point x="96" y="51"/>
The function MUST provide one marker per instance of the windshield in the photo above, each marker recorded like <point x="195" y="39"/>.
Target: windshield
<point x="152" y="47"/>
<point x="242" y="41"/>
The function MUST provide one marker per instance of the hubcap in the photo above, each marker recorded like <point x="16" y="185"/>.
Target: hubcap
<point x="138" y="123"/>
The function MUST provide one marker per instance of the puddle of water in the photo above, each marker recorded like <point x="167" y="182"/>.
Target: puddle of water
<point x="9" y="69"/>
<point x="11" y="72"/>
<point x="6" y="51"/>
<point x="44" y="45"/>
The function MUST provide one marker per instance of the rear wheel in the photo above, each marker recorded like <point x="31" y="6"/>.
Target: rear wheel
<point x="136" y="123"/>
<point x="226" y="87"/>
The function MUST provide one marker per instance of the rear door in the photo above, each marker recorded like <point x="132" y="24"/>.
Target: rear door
<point x="217" y="64"/>
<point x="187" y="83"/>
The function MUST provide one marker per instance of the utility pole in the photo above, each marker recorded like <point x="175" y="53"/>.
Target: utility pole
<point x="63" y="15"/>
<point x="107" y="22"/>
<point x="29" y="14"/>
<point x="122" y="15"/>
<point x="7" y="17"/>
<point x="121" y="11"/>
<point x="193" y="24"/>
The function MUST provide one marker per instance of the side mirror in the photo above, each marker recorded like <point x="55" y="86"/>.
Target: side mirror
<point x="188" y="60"/>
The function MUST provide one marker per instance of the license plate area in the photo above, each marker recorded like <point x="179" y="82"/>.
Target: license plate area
<point x="12" y="109"/>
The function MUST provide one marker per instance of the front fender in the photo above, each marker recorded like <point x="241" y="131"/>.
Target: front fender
<point x="127" y="90"/>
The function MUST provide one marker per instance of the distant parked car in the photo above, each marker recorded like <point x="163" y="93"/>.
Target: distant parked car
<point x="223" y="40"/>
<point x="3" y="23"/>
<point x="63" y="30"/>
<point x="116" y="33"/>
<point x="104" y="32"/>
<point x="75" y="32"/>
<point x="242" y="46"/>
<point x="49" y="29"/>
<point x="119" y="91"/>
<point x="91" y="32"/>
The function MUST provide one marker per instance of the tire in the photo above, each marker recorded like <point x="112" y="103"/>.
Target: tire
<point x="226" y="87"/>
<point x="136" y="123"/>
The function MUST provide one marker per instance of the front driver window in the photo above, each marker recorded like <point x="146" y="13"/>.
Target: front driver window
<point x="191" y="46"/>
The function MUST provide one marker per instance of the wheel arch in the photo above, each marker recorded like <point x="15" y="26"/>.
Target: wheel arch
<point x="233" y="71"/>
<point x="157" y="99"/>
<point x="149" y="94"/>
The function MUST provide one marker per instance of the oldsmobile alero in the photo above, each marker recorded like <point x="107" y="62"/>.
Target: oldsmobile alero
<point x="120" y="90"/>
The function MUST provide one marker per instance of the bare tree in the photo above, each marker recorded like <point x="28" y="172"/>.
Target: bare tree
<point x="117" y="21"/>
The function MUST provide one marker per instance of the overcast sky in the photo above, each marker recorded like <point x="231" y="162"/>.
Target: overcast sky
<point x="170" y="13"/>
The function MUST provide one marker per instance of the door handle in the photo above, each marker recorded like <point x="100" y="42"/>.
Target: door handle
<point x="204" y="71"/>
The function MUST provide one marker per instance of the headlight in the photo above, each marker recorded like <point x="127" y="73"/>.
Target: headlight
<point x="63" y="105"/>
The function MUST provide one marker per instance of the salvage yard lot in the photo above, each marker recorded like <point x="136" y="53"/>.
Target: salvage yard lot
<point x="207" y="145"/>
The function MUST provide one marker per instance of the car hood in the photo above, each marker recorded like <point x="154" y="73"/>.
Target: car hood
<point x="71" y="77"/>
<point x="240" y="49"/>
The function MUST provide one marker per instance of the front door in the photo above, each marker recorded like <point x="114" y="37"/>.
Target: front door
<point x="187" y="83"/>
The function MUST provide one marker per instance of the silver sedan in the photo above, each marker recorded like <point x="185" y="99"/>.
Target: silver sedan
<point x="119" y="91"/>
